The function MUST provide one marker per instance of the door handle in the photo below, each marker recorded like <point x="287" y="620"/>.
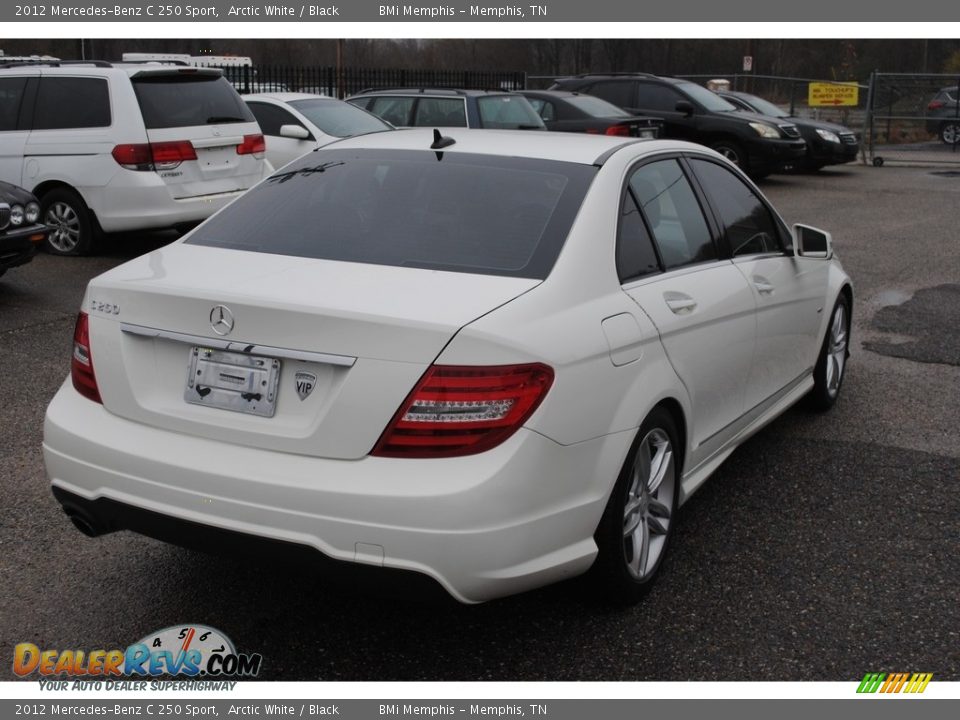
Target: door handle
<point x="763" y="286"/>
<point x="679" y="303"/>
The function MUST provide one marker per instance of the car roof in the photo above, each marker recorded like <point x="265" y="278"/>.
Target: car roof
<point x="446" y="92"/>
<point x="103" y="68"/>
<point x="572" y="79"/>
<point x="553" y="93"/>
<point x="584" y="149"/>
<point x="286" y="96"/>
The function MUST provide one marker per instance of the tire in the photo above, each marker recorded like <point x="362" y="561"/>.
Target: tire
<point x="950" y="133"/>
<point x="635" y="531"/>
<point x="832" y="362"/>
<point x="72" y="231"/>
<point x="733" y="152"/>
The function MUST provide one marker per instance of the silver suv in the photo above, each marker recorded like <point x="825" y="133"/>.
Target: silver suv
<point x="439" y="107"/>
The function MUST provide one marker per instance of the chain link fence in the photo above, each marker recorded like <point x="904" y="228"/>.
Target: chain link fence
<point x="912" y="119"/>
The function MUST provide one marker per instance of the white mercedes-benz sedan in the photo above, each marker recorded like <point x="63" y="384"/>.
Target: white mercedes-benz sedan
<point x="495" y="358"/>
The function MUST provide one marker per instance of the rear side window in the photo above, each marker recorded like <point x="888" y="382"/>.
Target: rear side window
<point x="186" y="100"/>
<point x="71" y="102"/>
<point x="673" y="213"/>
<point x="658" y="97"/>
<point x="11" y="95"/>
<point x="445" y="112"/>
<point x="620" y="93"/>
<point x="635" y="254"/>
<point x="507" y="112"/>
<point x="459" y="212"/>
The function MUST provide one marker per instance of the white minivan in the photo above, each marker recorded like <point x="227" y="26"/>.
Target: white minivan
<point x="110" y="147"/>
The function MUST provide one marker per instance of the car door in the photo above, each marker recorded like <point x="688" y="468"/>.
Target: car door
<point x="700" y="303"/>
<point x="789" y="291"/>
<point x="661" y="101"/>
<point x="13" y="129"/>
<point x="280" y="150"/>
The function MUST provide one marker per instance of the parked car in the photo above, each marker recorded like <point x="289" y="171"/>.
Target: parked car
<point x="827" y="143"/>
<point x="574" y="112"/>
<point x="20" y="230"/>
<point x="439" y="107"/>
<point x="943" y="116"/>
<point x="493" y="358"/>
<point x="295" y="123"/>
<point x="124" y="147"/>
<point x="756" y="143"/>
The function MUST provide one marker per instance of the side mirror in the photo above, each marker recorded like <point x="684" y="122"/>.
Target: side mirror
<point x="812" y="242"/>
<point x="297" y="132"/>
<point x="685" y="107"/>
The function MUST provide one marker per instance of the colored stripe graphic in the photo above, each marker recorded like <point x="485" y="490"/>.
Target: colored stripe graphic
<point x="894" y="682"/>
<point x="870" y="682"/>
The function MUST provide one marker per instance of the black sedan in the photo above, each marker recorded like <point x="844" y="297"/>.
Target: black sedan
<point x="827" y="143"/>
<point x="575" y="112"/>
<point x="20" y="234"/>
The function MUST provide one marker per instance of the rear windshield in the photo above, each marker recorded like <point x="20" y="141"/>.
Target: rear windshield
<point x="444" y="211"/>
<point x="338" y="118"/>
<point x="508" y="112"/>
<point x="168" y="101"/>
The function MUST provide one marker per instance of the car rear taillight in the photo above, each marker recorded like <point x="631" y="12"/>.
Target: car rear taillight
<point x="622" y="130"/>
<point x="252" y="145"/>
<point x="154" y="156"/>
<point x="463" y="410"/>
<point x="935" y="105"/>
<point x="81" y="365"/>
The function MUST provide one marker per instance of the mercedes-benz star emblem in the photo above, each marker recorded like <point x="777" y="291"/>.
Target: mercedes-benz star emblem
<point x="221" y="320"/>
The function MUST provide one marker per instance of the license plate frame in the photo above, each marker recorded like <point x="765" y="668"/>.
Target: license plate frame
<point x="233" y="381"/>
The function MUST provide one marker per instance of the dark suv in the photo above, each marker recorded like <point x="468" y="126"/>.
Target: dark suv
<point x="440" y="107"/>
<point x="758" y="144"/>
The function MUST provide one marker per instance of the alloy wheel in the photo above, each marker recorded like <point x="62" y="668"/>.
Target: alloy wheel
<point x="649" y="507"/>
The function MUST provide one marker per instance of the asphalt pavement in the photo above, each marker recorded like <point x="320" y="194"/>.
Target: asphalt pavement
<point x="826" y="547"/>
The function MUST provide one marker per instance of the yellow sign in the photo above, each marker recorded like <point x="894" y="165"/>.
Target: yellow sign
<point x="829" y="94"/>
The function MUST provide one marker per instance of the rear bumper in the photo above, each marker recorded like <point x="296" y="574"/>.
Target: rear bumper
<point x="18" y="246"/>
<point x="134" y="200"/>
<point x="516" y="517"/>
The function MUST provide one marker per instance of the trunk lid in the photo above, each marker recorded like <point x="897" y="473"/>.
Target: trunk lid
<point x="359" y="335"/>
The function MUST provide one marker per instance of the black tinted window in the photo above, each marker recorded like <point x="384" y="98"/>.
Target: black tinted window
<point x="635" y="253"/>
<point x="69" y="102"/>
<point x="620" y="93"/>
<point x="658" y="97"/>
<point x="673" y="213"/>
<point x="270" y="117"/>
<point x="749" y="224"/>
<point x="11" y="95"/>
<point x="186" y="100"/>
<point x="461" y="212"/>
